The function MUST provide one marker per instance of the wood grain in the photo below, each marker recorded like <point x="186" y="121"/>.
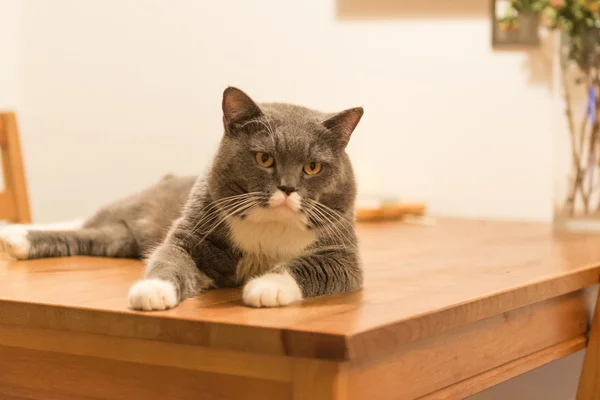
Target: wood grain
<point x="478" y="383"/>
<point x="319" y="380"/>
<point x="2" y="133"/>
<point x="15" y="202"/>
<point x="437" y="362"/>
<point x="419" y="282"/>
<point x="7" y="207"/>
<point x="149" y="352"/>
<point x="589" y="383"/>
<point x="44" y="375"/>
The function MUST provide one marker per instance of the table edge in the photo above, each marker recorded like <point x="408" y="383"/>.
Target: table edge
<point x="292" y="341"/>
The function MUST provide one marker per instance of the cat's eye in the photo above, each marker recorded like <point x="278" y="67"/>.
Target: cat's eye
<point x="312" y="168"/>
<point x="264" y="160"/>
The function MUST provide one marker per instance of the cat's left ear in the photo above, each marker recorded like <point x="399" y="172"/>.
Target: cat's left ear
<point x="343" y="124"/>
<point x="238" y="108"/>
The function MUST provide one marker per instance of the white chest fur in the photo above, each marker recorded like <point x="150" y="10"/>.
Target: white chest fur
<point x="267" y="243"/>
<point x="278" y="241"/>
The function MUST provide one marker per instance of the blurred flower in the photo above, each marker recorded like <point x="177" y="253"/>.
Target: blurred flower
<point x="548" y="17"/>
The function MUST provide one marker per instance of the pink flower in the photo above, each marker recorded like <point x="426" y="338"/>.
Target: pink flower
<point x="556" y="3"/>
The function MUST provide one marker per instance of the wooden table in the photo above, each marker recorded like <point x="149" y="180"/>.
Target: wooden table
<point x="447" y="311"/>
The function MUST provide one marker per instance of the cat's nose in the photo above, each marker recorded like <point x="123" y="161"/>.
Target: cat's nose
<point x="287" y="189"/>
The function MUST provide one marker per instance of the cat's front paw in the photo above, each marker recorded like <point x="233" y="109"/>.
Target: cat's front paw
<point x="272" y="290"/>
<point x="13" y="239"/>
<point x="153" y="294"/>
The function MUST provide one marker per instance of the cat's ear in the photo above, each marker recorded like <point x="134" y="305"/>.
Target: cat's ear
<point x="343" y="124"/>
<point x="238" y="107"/>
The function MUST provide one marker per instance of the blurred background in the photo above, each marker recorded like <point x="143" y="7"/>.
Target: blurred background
<point x="113" y="94"/>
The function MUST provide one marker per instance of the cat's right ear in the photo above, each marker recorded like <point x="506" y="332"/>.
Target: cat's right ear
<point x="238" y="108"/>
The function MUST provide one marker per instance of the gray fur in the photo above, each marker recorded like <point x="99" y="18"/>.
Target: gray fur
<point x="128" y="228"/>
<point x="196" y="254"/>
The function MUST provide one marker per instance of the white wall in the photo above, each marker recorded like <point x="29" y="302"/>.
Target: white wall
<point x="118" y="92"/>
<point x="10" y="16"/>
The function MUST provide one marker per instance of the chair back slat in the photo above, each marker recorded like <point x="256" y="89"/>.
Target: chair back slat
<point x="14" y="200"/>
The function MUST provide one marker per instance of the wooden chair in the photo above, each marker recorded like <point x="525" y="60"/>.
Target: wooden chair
<point x="14" y="202"/>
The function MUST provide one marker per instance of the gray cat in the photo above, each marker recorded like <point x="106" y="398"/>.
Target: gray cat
<point x="275" y="214"/>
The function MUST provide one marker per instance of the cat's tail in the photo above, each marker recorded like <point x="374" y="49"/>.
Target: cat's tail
<point x="24" y="242"/>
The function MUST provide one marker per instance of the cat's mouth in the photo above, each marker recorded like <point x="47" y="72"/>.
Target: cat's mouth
<point x="283" y="211"/>
<point x="278" y="209"/>
<point x="281" y="202"/>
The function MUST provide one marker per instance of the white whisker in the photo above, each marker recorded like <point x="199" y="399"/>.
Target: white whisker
<point x="242" y="208"/>
<point x="211" y="210"/>
<point x="329" y="229"/>
<point x="333" y="223"/>
<point x="267" y="126"/>
<point x="214" y="214"/>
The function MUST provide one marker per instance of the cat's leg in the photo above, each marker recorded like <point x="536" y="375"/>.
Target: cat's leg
<point x="171" y="276"/>
<point x="29" y="241"/>
<point x="182" y="266"/>
<point x="318" y="274"/>
<point x="13" y="237"/>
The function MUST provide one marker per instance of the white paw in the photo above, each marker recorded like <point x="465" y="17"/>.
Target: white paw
<point x="152" y="294"/>
<point x="13" y="239"/>
<point x="272" y="290"/>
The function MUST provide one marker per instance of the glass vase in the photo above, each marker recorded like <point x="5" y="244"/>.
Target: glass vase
<point x="577" y="144"/>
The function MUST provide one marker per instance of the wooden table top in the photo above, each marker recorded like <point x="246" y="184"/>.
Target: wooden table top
<point x="419" y="281"/>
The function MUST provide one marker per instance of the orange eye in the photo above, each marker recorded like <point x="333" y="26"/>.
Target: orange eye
<point x="264" y="160"/>
<point x="312" y="168"/>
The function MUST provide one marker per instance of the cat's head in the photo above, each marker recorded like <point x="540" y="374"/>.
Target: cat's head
<point x="277" y="162"/>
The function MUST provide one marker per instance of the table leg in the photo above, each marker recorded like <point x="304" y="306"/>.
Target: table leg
<point x="589" y="383"/>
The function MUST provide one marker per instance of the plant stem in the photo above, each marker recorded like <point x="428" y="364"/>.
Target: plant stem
<point x="577" y="179"/>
